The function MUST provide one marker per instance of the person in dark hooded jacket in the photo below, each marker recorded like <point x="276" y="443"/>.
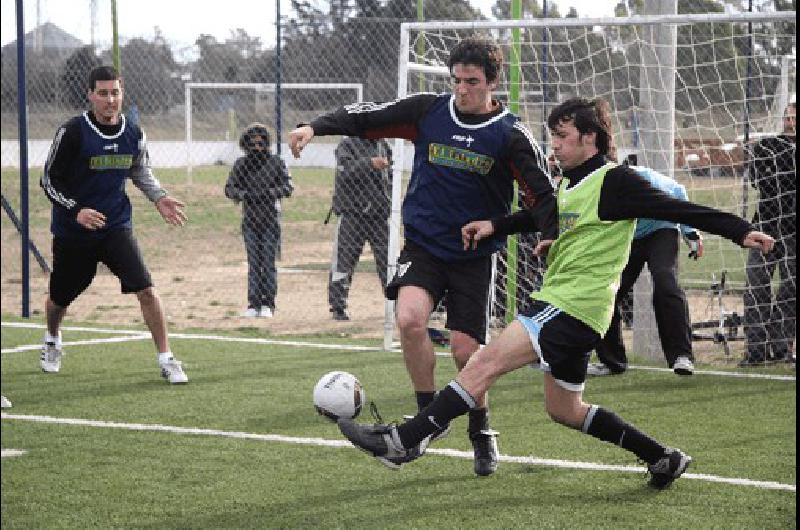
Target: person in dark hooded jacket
<point x="259" y="181"/>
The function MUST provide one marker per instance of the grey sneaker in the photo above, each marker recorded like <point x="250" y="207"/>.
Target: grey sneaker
<point x="6" y="403"/>
<point x="683" y="366"/>
<point x="668" y="468"/>
<point x="382" y="442"/>
<point x="172" y="371"/>
<point x="484" y="445"/>
<point x="598" y="369"/>
<point x="50" y="359"/>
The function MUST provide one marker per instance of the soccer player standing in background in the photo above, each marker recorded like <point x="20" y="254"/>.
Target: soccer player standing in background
<point x="468" y="151"/>
<point x="598" y="203"/>
<point x="84" y="177"/>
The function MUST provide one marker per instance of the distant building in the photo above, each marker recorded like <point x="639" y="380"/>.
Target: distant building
<point x="47" y="38"/>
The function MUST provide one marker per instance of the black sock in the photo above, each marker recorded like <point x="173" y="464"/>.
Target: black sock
<point x="451" y="402"/>
<point x="424" y="399"/>
<point x="478" y="420"/>
<point x="607" y="426"/>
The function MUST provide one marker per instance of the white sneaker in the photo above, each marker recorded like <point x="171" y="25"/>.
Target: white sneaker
<point x="598" y="369"/>
<point x="6" y="404"/>
<point x="265" y="311"/>
<point x="173" y="372"/>
<point x="251" y="312"/>
<point x="683" y="366"/>
<point x="50" y="359"/>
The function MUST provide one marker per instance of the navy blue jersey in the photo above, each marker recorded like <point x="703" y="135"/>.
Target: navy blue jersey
<point x="88" y="166"/>
<point x="464" y="167"/>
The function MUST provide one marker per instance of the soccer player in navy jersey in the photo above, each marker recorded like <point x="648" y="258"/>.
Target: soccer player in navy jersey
<point x="468" y="152"/>
<point x="91" y="158"/>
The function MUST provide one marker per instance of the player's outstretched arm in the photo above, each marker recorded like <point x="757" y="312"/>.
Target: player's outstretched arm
<point x="759" y="241"/>
<point x="299" y="138"/>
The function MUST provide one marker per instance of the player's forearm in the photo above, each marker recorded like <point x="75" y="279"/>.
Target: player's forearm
<point x="394" y="119"/>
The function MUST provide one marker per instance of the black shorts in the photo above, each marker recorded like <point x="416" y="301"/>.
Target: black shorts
<point x="75" y="264"/>
<point x="563" y="343"/>
<point x="466" y="284"/>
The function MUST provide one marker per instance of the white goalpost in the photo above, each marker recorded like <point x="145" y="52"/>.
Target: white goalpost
<point x="353" y="89"/>
<point x="683" y="89"/>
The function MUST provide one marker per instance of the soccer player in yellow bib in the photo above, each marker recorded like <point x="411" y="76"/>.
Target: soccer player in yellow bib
<point x="598" y="202"/>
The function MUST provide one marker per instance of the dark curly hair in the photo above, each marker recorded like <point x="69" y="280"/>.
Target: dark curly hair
<point x="254" y="129"/>
<point x="588" y="117"/>
<point x="478" y="51"/>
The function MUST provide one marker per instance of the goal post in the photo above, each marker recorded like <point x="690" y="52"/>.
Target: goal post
<point x="354" y="91"/>
<point x="684" y="115"/>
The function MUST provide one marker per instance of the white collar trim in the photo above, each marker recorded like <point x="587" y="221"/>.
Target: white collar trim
<point x="454" y="116"/>
<point x="105" y="136"/>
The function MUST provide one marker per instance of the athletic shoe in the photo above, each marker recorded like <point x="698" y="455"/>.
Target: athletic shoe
<point x="598" y="369"/>
<point x="438" y="434"/>
<point x="172" y="371"/>
<point x="484" y="445"/>
<point x="50" y="359"/>
<point x="251" y="312"/>
<point x="668" y="468"/>
<point x="4" y="401"/>
<point x="265" y="312"/>
<point x="683" y="366"/>
<point x="340" y="315"/>
<point x="382" y="442"/>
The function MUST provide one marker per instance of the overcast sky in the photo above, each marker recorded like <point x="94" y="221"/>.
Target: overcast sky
<point x="181" y="21"/>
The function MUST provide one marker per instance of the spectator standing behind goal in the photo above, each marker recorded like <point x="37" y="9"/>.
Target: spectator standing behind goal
<point x="84" y="177"/>
<point x="259" y="181"/>
<point x="362" y="202"/>
<point x="656" y="244"/>
<point x="468" y="150"/>
<point x="769" y="323"/>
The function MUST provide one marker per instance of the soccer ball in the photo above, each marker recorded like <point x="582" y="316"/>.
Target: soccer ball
<point x="339" y="395"/>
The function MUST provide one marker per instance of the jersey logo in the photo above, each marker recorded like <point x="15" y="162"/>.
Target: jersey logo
<point x="461" y="138"/>
<point x="566" y="222"/>
<point x="111" y="147"/>
<point x="102" y="162"/>
<point x="458" y="158"/>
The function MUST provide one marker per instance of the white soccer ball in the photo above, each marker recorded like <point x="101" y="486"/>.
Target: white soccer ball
<point x="339" y="395"/>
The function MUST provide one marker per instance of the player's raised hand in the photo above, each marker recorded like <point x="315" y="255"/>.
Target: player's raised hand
<point x="759" y="241"/>
<point x="474" y="231"/>
<point x="171" y="209"/>
<point x="543" y="247"/>
<point x="298" y="139"/>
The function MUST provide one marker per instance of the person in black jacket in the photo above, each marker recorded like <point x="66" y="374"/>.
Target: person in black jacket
<point x="259" y="181"/>
<point x="361" y="200"/>
<point x="770" y="324"/>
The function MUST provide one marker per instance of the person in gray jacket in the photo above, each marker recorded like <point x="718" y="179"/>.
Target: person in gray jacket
<point x="362" y="202"/>
<point x="259" y="181"/>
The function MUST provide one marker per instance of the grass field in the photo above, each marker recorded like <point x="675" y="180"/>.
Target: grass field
<point x="109" y="444"/>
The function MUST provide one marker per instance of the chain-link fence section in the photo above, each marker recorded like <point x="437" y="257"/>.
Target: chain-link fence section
<point x="202" y="270"/>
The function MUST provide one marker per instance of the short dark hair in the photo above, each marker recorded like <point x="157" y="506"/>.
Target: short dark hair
<point x="103" y="73"/>
<point x="587" y="116"/>
<point x="478" y="51"/>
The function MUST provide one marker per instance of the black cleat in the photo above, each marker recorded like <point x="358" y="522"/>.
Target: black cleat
<point x="484" y="444"/>
<point x="382" y="442"/>
<point x="668" y="468"/>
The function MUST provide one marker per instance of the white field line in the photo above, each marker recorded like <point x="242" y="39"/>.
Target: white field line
<point x="452" y="453"/>
<point x="8" y="453"/>
<point x="140" y="335"/>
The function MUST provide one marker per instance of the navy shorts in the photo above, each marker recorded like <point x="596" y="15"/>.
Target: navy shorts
<point x="562" y="342"/>
<point x="75" y="264"/>
<point x="465" y="283"/>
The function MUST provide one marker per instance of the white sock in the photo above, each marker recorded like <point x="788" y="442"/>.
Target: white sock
<point x="49" y="338"/>
<point x="164" y="357"/>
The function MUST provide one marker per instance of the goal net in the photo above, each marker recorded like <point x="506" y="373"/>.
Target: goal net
<point x="688" y="94"/>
